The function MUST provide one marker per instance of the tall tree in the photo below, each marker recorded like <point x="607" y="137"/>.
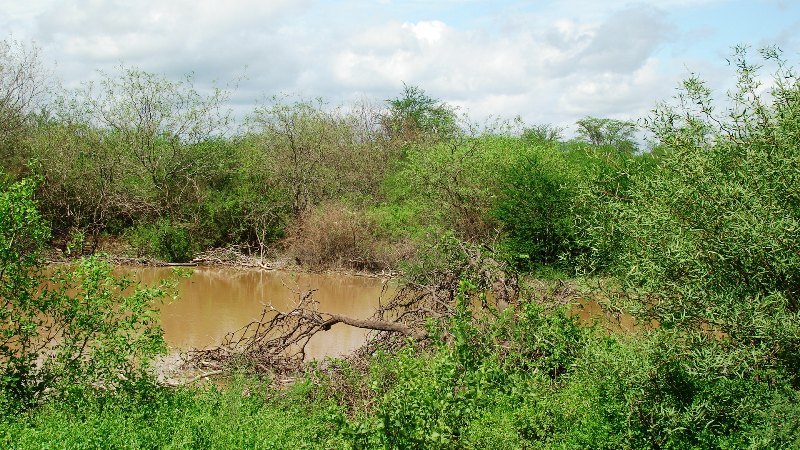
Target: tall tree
<point x="168" y="131"/>
<point x="414" y="114"/>
<point x="611" y="132"/>
<point x="23" y="82"/>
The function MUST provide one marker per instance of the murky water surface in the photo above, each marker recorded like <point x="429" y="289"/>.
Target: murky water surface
<point x="216" y="300"/>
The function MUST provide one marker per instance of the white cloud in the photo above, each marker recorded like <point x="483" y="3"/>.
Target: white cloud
<point x="617" y="94"/>
<point x="546" y="61"/>
<point x="555" y="74"/>
<point x="427" y="32"/>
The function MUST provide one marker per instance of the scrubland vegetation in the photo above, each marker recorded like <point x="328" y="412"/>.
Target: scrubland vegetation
<point x="695" y="234"/>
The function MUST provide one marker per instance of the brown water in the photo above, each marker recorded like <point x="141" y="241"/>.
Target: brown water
<point x="216" y="300"/>
<point x="589" y="312"/>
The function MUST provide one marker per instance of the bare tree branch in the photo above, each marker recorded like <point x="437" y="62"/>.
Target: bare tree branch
<point x="276" y="342"/>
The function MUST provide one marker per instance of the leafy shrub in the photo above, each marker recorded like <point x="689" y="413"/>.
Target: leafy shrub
<point x="152" y="416"/>
<point x="163" y="240"/>
<point x="713" y="230"/>
<point x="415" y="116"/>
<point x="535" y="206"/>
<point x="707" y="234"/>
<point x="608" y="180"/>
<point x="555" y="202"/>
<point x="243" y="213"/>
<point x="447" y="398"/>
<point x="448" y="186"/>
<point x="73" y="325"/>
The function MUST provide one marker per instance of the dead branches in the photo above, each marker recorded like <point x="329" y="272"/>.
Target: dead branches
<point x="276" y="342"/>
<point x="230" y="256"/>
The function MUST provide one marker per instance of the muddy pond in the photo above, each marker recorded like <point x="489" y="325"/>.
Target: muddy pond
<point x="216" y="300"/>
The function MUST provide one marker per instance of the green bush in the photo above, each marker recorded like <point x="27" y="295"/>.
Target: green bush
<point x="535" y="206"/>
<point x="67" y="326"/>
<point x="243" y="214"/>
<point x="242" y="415"/>
<point x="704" y="233"/>
<point x="608" y="181"/>
<point x="164" y="240"/>
<point x="448" y="186"/>
<point x="450" y="397"/>
<point x="713" y="230"/>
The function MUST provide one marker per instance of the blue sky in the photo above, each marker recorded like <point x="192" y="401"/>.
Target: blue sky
<point x="545" y="61"/>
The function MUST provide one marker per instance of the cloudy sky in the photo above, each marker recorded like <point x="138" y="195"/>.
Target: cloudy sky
<point x="546" y="61"/>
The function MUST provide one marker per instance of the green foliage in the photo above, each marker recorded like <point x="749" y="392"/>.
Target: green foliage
<point x="607" y="181"/>
<point x="619" y="134"/>
<point x="132" y="147"/>
<point x="448" y="398"/>
<point x="243" y="212"/>
<point x="713" y="231"/>
<point x="414" y="115"/>
<point x="313" y="152"/>
<point x="243" y="415"/>
<point x="535" y="206"/>
<point x="83" y="326"/>
<point x="555" y="202"/>
<point x="450" y="186"/>
<point x="164" y="240"/>
<point x="23" y="232"/>
<point x="546" y="383"/>
<point x="551" y="201"/>
<point x="164" y="130"/>
<point x="528" y="378"/>
<point x="542" y="134"/>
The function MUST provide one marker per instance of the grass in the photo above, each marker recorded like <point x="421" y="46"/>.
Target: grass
<point x="241" y="416"/>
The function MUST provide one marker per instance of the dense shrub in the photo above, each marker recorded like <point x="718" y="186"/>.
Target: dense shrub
<point x="450" y="185"/>
<point x="337" y="235"/>
<point x="535" y="205"/>
<point x="76" y="325"/>
<point x="163" y="240"/>
<point x="712" y="231"/>
<point x="243" y="415"/>
<point x="444" y="398"/>
<point x="608" y="182"/>
<point x="247" y="212"/>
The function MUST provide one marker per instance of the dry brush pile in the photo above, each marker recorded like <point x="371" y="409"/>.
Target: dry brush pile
<point x="276" y="342"/>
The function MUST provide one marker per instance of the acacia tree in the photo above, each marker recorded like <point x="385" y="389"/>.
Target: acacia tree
<point x="295" y="140"/>
<point x="82" y="180"/>
<point x="315" y="152"/>
<point x="130" y="148"/>
<point x="414" y="115"/>
<point x="543" y="133"/>
<point x="167" y="130"/>
<point x="612" y="132"/>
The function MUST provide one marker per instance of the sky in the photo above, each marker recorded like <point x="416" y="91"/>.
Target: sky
<point x="550" y="62"/>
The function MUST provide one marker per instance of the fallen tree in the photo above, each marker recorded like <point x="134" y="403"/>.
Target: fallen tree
<point x="276" y="342"/>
